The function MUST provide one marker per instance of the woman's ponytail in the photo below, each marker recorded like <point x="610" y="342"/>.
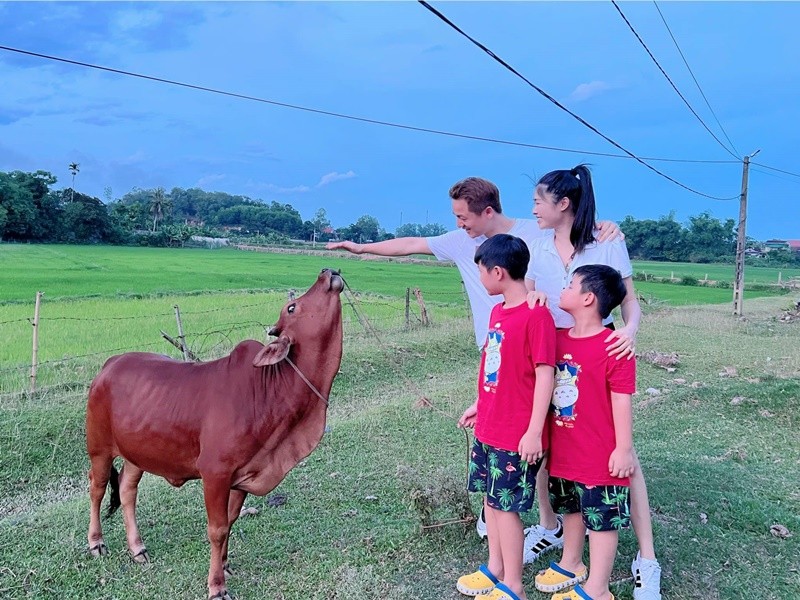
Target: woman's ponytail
<point x="575" y="184"/>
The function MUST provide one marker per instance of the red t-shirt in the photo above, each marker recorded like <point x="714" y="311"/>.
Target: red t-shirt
<point x="582" y="434"/>
<point x="519" y="338"/>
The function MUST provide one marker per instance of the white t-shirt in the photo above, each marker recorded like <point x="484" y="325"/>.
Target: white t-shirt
<point x="550" y="276"/>
<point x="460" y="248"/>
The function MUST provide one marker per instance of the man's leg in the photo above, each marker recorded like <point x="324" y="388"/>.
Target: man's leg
<point x="645" y="568"/>
<point x="548" y="534"/>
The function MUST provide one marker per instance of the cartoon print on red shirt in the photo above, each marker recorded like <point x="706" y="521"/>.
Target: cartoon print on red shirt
<point x="565" y="393"/>
<point x="492" y="359"/>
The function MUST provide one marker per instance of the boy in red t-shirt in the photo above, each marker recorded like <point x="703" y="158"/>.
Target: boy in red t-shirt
<point x="591" y="438"/>
<point x="515" y="383"/>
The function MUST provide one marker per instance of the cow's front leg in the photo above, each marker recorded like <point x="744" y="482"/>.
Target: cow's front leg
<point x="235" y="504"/>
<point x="216" y="491"/>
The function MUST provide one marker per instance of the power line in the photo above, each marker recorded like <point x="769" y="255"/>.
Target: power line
<point x="352" y="117"/>
<point x="564" y="108"/>
<point x="774" y="169"/>
<point x="674" y="87"/>
<point x="774" y="175"/>
<point x="697" y="83"/>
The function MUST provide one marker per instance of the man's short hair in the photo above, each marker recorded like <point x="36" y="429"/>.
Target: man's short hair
<point x="478" y="194"/>
<point x="605" y="283"/>
<point x="507" y="252"/>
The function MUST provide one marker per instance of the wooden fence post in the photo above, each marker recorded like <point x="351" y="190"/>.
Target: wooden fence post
<point x="408" y="308"/>
<point x="35" y="357"/>
<point x="181" y="337"/>
<point x="423" y="311"/>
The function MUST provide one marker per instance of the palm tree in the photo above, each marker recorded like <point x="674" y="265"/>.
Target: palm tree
<point x="74" y="168"/>
<point x="159" y="204"/>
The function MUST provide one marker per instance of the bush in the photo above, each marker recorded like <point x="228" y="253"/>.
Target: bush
<point x="688" y="280"/>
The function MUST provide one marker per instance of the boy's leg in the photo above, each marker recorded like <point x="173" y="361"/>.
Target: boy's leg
<point x="602" y="550"/>
<point x="495" y="563"/>
<point x="574" y="536"/>
<point x="508" y="530"/>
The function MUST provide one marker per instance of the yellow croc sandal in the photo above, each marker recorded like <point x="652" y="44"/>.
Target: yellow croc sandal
<point x="555" y="578"/>
<point x="575" y="593"/>
<point x="480" y="582"/>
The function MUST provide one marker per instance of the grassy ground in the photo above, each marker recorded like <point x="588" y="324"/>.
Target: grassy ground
<point x="720" y="455"/>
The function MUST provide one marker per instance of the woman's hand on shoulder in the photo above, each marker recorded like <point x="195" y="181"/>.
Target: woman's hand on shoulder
<point x="536" y="298"/>
<point x="622" y="343"/>
<point x="608" y="231"/>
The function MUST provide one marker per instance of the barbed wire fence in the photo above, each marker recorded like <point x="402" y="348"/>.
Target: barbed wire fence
<point x="183" y="333"/>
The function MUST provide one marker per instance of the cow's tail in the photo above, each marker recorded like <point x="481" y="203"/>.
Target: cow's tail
<point x="114" y="501"/>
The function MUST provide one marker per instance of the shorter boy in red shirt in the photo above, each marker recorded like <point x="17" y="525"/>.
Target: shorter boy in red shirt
<point x="515" y="383"/>
<point x="591" y="438"/>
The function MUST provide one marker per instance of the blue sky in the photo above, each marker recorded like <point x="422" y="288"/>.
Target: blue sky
<point x="397" y="62"/>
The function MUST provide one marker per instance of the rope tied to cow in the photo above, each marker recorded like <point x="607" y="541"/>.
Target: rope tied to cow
<point x="422" y="401"/>
<point x="307" y="382"/>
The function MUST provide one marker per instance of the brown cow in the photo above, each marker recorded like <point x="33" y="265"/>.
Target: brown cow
<point x="239" y="423"/>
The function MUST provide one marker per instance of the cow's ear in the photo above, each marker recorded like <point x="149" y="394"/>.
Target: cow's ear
<point x="273" y="353"/>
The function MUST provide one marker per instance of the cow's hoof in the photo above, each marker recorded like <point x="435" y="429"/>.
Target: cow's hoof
<point x="141" y="557"/>
<point x="98" y="550"/>
<point x="221" y="596"/>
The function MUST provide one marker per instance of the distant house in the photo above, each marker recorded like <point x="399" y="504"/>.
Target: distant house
<point x="776" y="245"/>
<point x="794" y="245"/>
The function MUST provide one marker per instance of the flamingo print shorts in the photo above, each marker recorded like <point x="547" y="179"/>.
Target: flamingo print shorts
<point x="508" y="481"/>
<point x="603" y="507"/>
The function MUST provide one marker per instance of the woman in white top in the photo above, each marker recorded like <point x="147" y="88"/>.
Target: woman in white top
<point x="564" y="203"/>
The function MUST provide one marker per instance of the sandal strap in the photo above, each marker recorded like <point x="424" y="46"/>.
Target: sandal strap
<point x="502" y="587"/>
<point x="485" y="570"/>
<point x="565" y="573"/>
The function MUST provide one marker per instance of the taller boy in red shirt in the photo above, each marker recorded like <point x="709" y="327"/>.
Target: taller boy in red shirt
<point x="591" y="438"/>
<point x="515" y="384"/>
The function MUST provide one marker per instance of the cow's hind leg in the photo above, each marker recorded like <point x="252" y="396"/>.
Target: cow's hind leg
<point x="216" y="492"/>
<point x="129" y="480"/>
<point x="99" y="475"/>
<point x="235" y="503"/>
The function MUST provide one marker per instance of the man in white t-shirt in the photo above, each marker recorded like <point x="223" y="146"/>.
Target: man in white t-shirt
<point x="476" y="206"/>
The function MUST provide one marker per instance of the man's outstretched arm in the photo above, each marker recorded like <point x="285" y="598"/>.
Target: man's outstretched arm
<point x="396" y="247"/>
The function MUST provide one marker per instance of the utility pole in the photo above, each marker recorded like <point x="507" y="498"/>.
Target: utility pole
<point x="741" y="239"/>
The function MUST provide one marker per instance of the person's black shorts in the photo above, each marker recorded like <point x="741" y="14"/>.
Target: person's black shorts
<point x="603" y="507"/>
<point x="508" y="481"/>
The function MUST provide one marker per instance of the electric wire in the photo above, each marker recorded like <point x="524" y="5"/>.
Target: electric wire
<point x="774" y="169"/>
<point x="350" y="117"/>
<point x="664" y="73"/>
<point x="565" y="109"/>
<point x="697" y="83"/>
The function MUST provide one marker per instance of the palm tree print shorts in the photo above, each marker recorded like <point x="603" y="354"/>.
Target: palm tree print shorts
<point x="507" y="480"/>
<point x="603" y="507"/>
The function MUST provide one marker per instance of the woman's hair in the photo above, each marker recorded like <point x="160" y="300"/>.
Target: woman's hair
<point x="575" y="184"/>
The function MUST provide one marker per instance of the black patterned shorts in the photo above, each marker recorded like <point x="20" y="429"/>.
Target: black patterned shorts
<point x="603" y="507"/>
<point x="508" y="481"/>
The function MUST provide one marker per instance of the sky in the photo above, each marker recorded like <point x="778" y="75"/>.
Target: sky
<point x="397" y="62"/>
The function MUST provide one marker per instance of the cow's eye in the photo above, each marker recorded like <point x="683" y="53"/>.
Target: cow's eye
<point x="290" y="308"/>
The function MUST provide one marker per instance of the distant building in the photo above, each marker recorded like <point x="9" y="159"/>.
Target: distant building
<point x="794" y="245"/>
<point x="776" y="245"/>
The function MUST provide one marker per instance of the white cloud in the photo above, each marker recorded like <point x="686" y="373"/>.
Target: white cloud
<point x="334" y="176"/>
<point x="208" y="180"/>
<point x="589" y="90"/>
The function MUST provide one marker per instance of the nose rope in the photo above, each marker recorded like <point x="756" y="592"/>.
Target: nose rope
<point x="307" y="382"/>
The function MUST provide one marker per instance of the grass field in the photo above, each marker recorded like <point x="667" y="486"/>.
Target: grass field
<point x="720" y="453"/>
<point x="716" y="272"/>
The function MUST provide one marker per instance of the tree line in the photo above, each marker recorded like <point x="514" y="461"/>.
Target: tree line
<point x="32" y="211"/>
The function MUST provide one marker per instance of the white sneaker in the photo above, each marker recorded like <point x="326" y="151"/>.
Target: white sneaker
<point x="480" y="525"/>
<point x="646" y="579"/>
<point x="539" y="541"/>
